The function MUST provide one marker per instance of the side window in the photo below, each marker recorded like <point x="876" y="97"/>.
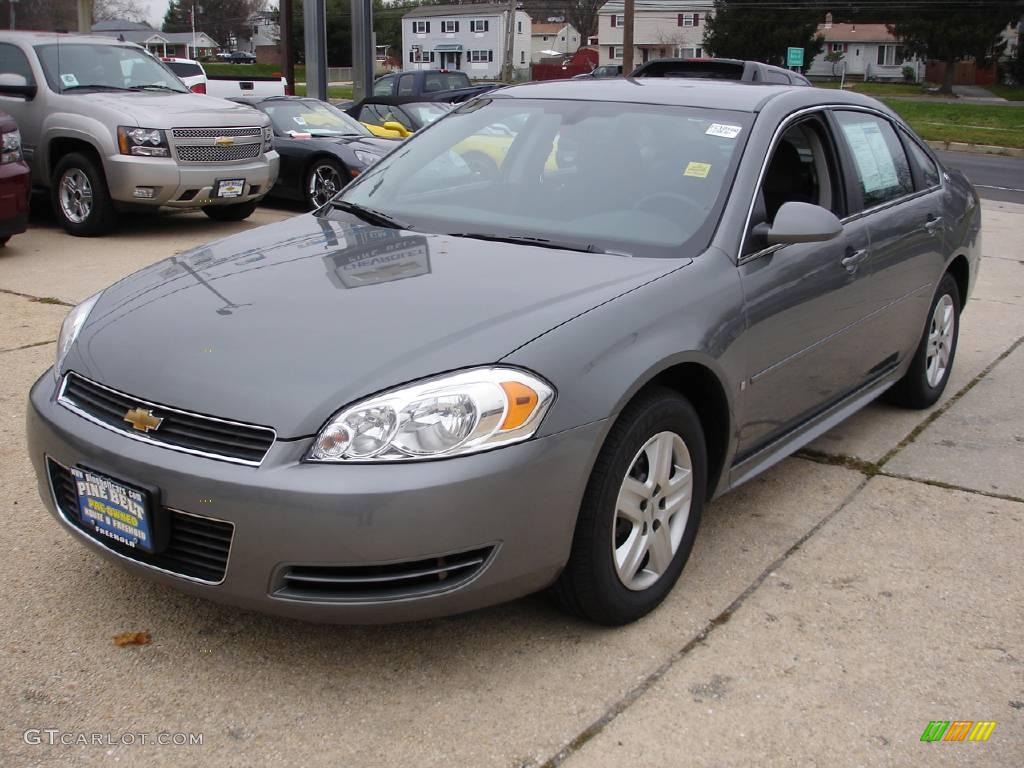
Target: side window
<point x="383" y="86"/>
<point x="405" y="85"/>
<point x="777" y="77"/>
<point x="13" y="62"/>
<point x="371" y="114"/>
<point x="922" y="161"/>
<point x="879" y="162"/>
<point x="802" y="169"/>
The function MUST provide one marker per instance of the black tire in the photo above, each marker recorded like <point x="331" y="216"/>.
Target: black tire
<point x="590" y="585"/>
<point x="236" y="212"/>
<point x="101" y="216"/>
<point x="323" y="163"/>
<point x="914" y="389"/>
<point x="482" y="165"/>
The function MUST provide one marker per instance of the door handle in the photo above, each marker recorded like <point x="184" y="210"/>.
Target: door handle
<point x="933" y="224"/>
<point x="853" y="258"/>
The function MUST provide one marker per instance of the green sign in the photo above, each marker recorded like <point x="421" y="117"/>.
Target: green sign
<point x="794" y="57"/>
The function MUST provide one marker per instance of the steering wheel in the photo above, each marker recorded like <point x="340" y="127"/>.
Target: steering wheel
<point x="669" y="196"/>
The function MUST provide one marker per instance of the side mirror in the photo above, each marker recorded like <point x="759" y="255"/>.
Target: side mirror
<point x="802" y="223"/>
<point x="400" y="129"/>
<point x="17" y="85"/>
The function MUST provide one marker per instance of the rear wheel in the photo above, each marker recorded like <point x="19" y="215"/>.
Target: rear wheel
<point x="236" y="212"/>
<point x="640" y="512"/>
<point x="925" y="380"/>
<point x="80" y="196"/>
<point x="324" y="180"/>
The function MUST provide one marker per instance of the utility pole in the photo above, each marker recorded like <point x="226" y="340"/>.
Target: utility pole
<point x="13" y="3"/>
<point x="627" y="37"/>
<point x="506" y="65"/>
<point x="284" y="22"/>
<point x="193" y="56"/>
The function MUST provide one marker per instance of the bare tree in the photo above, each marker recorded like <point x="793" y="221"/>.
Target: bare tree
<point x="127" y="10"/>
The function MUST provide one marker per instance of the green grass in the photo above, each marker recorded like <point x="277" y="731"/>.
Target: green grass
<point x="1008" y="92"/>
<point x="971" y="123"/>
<point x="878" y="89"/>
<point x="251" y="70"/>
<point x="334" y="92"/>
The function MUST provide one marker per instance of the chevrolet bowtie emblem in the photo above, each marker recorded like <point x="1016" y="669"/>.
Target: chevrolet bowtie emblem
<point x="223" y="141"/>
<point x="143" y="420"/>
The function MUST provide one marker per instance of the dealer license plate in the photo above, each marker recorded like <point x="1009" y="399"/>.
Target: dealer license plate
<point x="229" y="188"/>
<point x="114" y="510"/>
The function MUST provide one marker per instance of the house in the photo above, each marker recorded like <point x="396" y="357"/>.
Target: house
<point x="177" y="44"/>
<point x="552" y="39"/>
<point x="661" y="28"/>
<point x="470" y="38"/>
<point x="870" y="51"/>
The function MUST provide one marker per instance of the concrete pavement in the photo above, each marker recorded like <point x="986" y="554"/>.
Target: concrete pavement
<point x="829" y="610"/>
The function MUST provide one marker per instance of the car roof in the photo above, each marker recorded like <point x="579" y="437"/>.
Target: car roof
<point x="684" y="92"/>
<point x="63" y="38"/>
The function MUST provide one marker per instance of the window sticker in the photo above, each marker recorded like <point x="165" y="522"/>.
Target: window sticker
<point x="725" y="131"/>
<point x="299" y="120"/>
<point x="697" y="170"/>
<point x="69" y="81"/>
<point x="871" y="153"/>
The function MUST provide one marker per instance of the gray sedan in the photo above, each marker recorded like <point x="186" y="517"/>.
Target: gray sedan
<point x="448" y="388"/>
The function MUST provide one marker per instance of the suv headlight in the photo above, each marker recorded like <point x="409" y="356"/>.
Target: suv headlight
<point x="142" y="142"/>
<point x="69" y="330"/>
<point x="11" y="152"/>
<point x="450" y="415"/>
<point x="268" y="138"/>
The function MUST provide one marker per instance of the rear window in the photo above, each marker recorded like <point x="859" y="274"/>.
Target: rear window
<point x="712" y="70"/>
<point x="184" y="69"/>
<point x="440" y="81"/>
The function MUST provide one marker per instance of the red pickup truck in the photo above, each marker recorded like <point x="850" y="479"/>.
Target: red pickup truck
<point x="14" y="181"/>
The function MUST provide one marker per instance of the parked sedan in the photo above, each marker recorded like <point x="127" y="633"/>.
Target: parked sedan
<point x="322" y="149"/>
<point x="444" y="390"/>
<point x="15" y="181"/>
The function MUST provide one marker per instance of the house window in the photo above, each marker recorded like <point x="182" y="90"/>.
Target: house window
<point x="519" y="27"/>
<point x="420" y="27"/>
<point x="522" y="57"/>
<point x="838" y="48"/>
<point x="449" y="26"/>
<point x="418" y="56"/>
<point x="890" y="55"/>
<point x="478" y="25"/>
<point x="617" y="20"/>
<point x="689" y="52"/>
<point x="615" y="51"/>
<point x="480" y="57"/>
<point x="688" y="20"/>
<point x="545" y="38"/>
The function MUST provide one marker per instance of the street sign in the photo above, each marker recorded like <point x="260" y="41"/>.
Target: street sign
<point x="794" y="57"/>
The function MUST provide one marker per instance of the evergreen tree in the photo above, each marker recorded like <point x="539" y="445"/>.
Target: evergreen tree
<point x="762" y="30"/>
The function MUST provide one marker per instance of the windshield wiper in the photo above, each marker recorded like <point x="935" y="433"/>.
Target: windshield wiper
<point x="368" y="215"/>
<point x="155" y="87"/>
<point x="93" y="85"/>
<point x="540" y="242"/>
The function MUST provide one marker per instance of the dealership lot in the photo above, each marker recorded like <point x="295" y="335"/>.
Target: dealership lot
<point x="831" y="609"/>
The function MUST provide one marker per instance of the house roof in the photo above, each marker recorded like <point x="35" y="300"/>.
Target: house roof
<point x="547" y="29"/>
<point x="150" y="35"/>
<point x="467" y="9"/>
<point x="664" y="6"/>
<point x="119" y="25"/>
<point x="857" y="33"/>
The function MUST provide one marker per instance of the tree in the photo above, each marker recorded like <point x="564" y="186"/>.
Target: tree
<point x="960" y="31"/>
<point x="762" y="30"/>
<point x="178" y="17"/>
<point x="833" y="58"/>
<point x="220" y="19"/>
<point x="122" y="10"/>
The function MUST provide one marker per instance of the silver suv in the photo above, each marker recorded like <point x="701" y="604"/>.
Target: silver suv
<point x="107" y="128"/>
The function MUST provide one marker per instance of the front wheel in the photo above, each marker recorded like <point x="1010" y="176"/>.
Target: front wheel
<point x="925" y="380"/>
<point x="236" y="212"/>
<point x="324" y="180"/>
<point x="640" y="512"/>
<point x="80" y="196"/>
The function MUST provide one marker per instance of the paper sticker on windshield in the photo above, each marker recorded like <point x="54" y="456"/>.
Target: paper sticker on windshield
<point x="69" y="81"/>
<point x="725" y="131"/>
<point x="698" y="170"/>
<point x="299" y="120"/>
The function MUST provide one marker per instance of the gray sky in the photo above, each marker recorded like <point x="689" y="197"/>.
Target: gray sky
<point x="155" y="10"/>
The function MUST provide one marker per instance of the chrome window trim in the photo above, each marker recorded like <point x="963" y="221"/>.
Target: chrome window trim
<point x="99" y="542"/>
<point x="142" y="438"/>
<point x="740" y="258"/>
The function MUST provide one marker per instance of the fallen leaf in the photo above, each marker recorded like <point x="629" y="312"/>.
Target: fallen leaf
<point x="132" y="638"/>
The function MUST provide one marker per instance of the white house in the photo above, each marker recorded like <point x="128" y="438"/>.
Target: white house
<point x="470" y="38"/>
<point x="867" y="50"/>
<point x="661" y="28"/>
<point x="551" y="39"/>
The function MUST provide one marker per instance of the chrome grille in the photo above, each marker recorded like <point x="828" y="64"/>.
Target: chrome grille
<point x="199" y="154"/>
<point x="179" y="430"/>
<point x="198" y="546"/>
<point x="213" y="133"/>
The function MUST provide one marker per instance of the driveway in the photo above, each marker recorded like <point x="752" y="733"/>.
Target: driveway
<point x="831" y="608"/>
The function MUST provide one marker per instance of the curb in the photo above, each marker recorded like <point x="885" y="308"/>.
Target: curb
<point x="977" y="149"/>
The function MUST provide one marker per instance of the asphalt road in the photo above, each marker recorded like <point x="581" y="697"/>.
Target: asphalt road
<point x="995" y="177"/>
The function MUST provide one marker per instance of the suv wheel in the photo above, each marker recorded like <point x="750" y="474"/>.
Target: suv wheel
<point x="236" y="212"/>
<point x="80" y="196"/>
<point x="640" y="512"/>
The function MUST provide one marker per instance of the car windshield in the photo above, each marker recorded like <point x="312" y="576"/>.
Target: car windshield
<point x="71" y="67"/>
<point x="636" y="178"/>
<point x="425" y="112"/>
<point x="313" y="117"/>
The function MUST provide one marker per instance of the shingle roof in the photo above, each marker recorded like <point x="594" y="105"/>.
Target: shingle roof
<point x="465" y="9"/>
<point x="857" y="33"/>
<point x="547" y="29"/>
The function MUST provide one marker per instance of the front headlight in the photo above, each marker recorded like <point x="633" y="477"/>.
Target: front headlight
<point x="142" y="142"/>
<point x="69" y="330"/>
<point x="268" y="138"/>
<point x="366" y="158"/>
<point x="11" y="152"/>
<point x="451" y="415"/>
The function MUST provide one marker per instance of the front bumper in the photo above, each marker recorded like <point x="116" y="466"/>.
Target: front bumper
<point x="177" y="185"/>
<point x="519" y="503"/>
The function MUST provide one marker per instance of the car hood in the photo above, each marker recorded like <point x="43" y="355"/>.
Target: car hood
<point x="364" y="143"/>
<point x="178" y="110"/>
<point x="283" y="325"/>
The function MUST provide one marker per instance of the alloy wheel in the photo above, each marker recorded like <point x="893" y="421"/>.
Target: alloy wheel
<point x="75" y="195"/>
<point x="652" y="510"/>
<point x="940" y="340"/>
<point x="324" y="183"/>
